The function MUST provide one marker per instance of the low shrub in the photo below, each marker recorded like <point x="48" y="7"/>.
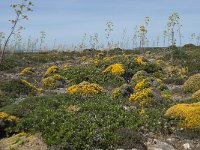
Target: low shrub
<point x="92" y="74"/>
<point x="54" y="81"/>
<point x="84" y="122"/>
<point x="85" y="88"/>
<point x="6" y="121"/>
<point x="124" y="90"/>
<point x="15" y="88"/>
<point x="196" y="94"/>
<point x="192" y="84"/>
<point x="189" y="114"/>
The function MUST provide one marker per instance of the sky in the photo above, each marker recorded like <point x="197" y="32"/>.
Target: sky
<point x="66" y="21"/>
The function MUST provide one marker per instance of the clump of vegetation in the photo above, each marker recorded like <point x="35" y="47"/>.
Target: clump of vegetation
<point x="124" y="90"/>
<point x="28" y="70"/>
<point x="6" y="120"/>
<point x="85" y="88"/>
<point x="196" y="94"/>
<point x="52" y="69"/>
<point x="54" y="81"/>
<point x="33" y="87"/>
<point x="188" y="113"/>
<point x="192" y="84"/>
<point x="85" y="121"/>
<point x="115" y="69"/>
<point x="140" y="60"/>
<point x="93" y="74"/>
<point x="15" y="88"/>
<point x="138" y="76"/>
<point x="22" y="140"/>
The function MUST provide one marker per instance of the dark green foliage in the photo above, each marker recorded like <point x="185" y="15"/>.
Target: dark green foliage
<point x="189" y="46"/>
<point x="96" y="125"/>
<point x="175" y="81"/>
<point x="186" y="57"/>
<point x="15" y="88"/>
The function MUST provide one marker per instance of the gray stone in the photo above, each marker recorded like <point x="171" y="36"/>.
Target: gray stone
<point x="159" y="145"/>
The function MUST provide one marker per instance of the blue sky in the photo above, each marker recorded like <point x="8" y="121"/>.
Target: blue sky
<point x="67" y="20"/>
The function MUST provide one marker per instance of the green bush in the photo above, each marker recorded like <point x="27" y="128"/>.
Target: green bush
<point x="15" y="88"/>
<point x="92" y="74"/>
<point x="95" y="125"/>
<point x="189" y="46"/>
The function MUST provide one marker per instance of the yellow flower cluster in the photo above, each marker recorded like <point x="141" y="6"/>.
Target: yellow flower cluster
<point x="142" y="85"/>
<point x="6" y="117"/>
<point x="38" y="90"/>
<point x="85" y="88"/>
<point x="51" y="69"/>
<point x="143" y="98"/>
<point x="139" y="60"/>
<point x="96" y="61"/>
<point x="196" y="94"/>
<point x="26" y="71"/>
<point x="50" y="82"/>
<point x="189" y="113"/>
<point x="141" y="95"/>
<point x="115" y="69"/>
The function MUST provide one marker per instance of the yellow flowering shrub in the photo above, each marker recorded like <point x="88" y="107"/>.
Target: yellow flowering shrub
<point x="115" y="69"/>
<point x="96" y="61"/>
<point x="192" y="84"/>
<point x="140" y="60"/>
<point x="52" y="69"/>
<point x="142" y="97"/>
<point x="142" y="85"/>
<point x="6" y="120"/>
<point x="85" y="88"/>
<point x="27" y="70"/>
<point x="50" y="82"/>
<point x="196" y="94"/>
<point x="188" y="113"/>
<point x="6" y="117"/>
<point x="38" y="90"/>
